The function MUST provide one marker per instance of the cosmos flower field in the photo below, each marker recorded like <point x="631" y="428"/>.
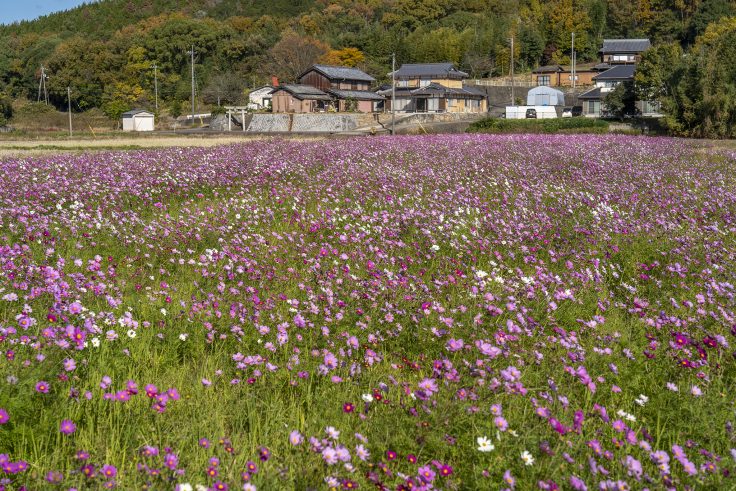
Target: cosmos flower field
<point x="437" y="312"/>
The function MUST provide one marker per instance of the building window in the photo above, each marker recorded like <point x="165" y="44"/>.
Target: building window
<point x="624" y="58"/>
<point x="423" y="82"/>
<point x="543" y="80"/>
<point x="594" y="107"/>
<point x="402" y="83"/>
<point x="451" y="102"/>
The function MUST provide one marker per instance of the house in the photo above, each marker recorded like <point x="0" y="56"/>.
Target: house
<point x="299" y="98"/>
<point x="604" y="83"/>
<point x="621" y="57"/>
<point x="434" y="87"/>
<point x="560" y="76"/>
<point x="260" y="98"/>
<point x="623" y="51"/>
<point x="138" y="120"/>
<point x="349" y="87"/>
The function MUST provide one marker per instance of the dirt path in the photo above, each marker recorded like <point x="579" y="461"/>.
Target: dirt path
<point x="17" y="148"/>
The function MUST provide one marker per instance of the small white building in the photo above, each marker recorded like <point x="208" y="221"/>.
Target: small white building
<point x="545" y="96"/>
<point x="138" y="120"/>
<point x="260" y="98"/>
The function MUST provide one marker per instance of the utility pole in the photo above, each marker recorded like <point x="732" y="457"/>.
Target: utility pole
<point x="155" y="83"/>
<point x="572" y="59"/>
<point x="192" y="54"/>
<point x="69" y="108"/>
<point x="393" y="93"/>
<point x="513" y="99"/>
<point x="42" y="89"/>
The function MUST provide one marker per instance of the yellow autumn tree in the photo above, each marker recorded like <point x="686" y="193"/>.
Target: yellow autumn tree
<point x="343" y="57"/>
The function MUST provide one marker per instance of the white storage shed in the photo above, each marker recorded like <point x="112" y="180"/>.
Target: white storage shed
<point x="545" y="96"/>
<point x="138" y="120"/>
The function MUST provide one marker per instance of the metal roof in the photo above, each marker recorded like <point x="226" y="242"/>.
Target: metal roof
<point x="340" y="73"/>
<point x="303" y="92"/>
<point x="618" y="72"/>
<point x="435" y="89"/>
<point x="592" y="94"/>
<point x="361" y="95"/>
<point x="134" y="112"/>
<point x="549" y="69"/>
<point x="625" y="45"/>
<point x="436" y="70"/>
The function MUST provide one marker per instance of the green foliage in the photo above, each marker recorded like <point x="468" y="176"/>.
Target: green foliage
<point x="6" y="109"/>
<point x="175" y="108"/>
<point x="621" y="101"/>
<point x="698" y="91"/>
<point x="557" y="125"/>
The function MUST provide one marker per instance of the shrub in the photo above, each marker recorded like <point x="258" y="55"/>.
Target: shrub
<point x="558" y="125"/>
<point x="6" y="109"/>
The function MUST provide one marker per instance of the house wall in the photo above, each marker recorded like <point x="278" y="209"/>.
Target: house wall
<point x="315" y="79"/>
<point x="365" y="106"/>
<point x="283" y="102"/>
<point x="415" y="82"/>
<point x="615" y="58"/>
<point x="562" y="79"/>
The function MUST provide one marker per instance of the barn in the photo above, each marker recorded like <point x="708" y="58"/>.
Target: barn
<point x="138" y="120"/>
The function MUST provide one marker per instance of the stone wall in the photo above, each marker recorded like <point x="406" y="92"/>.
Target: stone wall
<point x="269" y="123"/>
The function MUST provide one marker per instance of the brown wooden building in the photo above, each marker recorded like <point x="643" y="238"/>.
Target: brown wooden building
<point x="299" y="99"/>
<point x="560" y="76"/>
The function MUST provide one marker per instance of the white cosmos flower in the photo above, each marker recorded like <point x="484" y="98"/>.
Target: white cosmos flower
<point x="484" y="444"/>
<point x="96" y="342"/>
<point x="131" y="334"/>
<point x="435" y="247"/>
<point x="641" y="400"/>
<point x="185" y="487"/>
<point x="527" y="457"/>
<point x="367" y="397"/>
<point x="183" y="336"/>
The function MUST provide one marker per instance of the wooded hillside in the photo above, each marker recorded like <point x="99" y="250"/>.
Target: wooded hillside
<point x="105" y="50"/>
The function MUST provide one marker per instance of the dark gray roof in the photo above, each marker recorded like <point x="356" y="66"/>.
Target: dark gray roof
<point x="435" y="70"/>
<point x="437" y="89"/>
<point x="618" y="72"/>
<point x="548" y="69"/>
<point x="361" y="95"/>
<point x="592" y="94"/>
<point x="340" y="73"/>
<point x="303" y="92"/>
<point x="601" y="67"/>
<point x="133" y="112"/>
<point x="624" y="45"/>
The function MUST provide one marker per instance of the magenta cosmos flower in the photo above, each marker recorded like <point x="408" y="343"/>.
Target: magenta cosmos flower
<point x="67" y="427"/>
<point x="4" y="416"/>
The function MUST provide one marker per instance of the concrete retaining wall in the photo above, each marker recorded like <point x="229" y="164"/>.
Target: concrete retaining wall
<point x="323" y="123"/>
<point x="269" y="123"/>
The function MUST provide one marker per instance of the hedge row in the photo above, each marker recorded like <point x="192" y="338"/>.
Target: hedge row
<point x="566" y="125"/>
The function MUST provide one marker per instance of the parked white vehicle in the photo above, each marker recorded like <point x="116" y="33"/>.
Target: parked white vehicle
<point x="520" y="112"/>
